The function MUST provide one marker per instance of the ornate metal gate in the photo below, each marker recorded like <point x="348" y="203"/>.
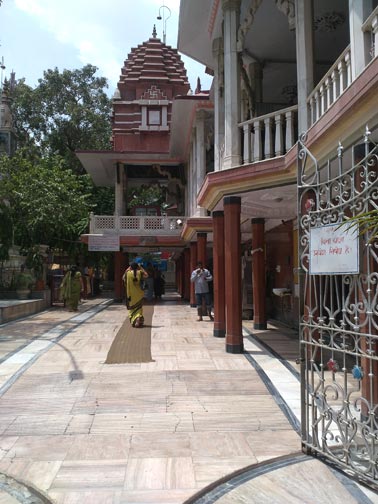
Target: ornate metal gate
<point x="339" y="307"/>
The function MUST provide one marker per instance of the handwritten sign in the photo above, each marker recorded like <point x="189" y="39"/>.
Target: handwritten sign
<point x="334" y="250"/>
<point x="103" y="243"/>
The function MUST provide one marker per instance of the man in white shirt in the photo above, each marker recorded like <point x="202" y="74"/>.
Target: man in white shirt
<point x="201" y="278"/>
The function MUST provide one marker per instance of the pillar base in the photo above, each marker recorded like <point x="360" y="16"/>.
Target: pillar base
<point x="118" y="300"/>
<point x="234" y="348"/>
<point x="260" y="325"/>
<point x="193" y="305"/>
<point x="219" y="333"/>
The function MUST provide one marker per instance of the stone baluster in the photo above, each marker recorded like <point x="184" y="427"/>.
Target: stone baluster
<point x="342" y="76"/>
<point x="257" y="147"/>
<point x="335" y="84"/>
<point x="268" y="147"/>
<point x="318" y="105"/>
<point x="289" y="138"/>
<point x="247" y="144"/>
<point x="278" y="140"/>
<point x="323" y="106"/>
<point x="348" y="70"/>
<point x="312" y="106"/>
<point x="328" y="86"/>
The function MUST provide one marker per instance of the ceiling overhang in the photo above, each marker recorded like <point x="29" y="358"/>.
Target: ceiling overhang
<point x="243" y="179"/>
<point x="184" y="110"/>
<point x="196" y="25"/>
<point x="196" y="225"/>
<point x="101" y="165"/>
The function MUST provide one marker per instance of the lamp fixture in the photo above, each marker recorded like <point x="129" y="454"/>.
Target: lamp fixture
<point x="165" y="19"/>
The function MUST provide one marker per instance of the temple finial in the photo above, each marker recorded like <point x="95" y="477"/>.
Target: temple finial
<point x="198" y="88"/>
<point x="154" y="32"/>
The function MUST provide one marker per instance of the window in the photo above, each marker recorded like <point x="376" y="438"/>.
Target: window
<point x="154" y="117"/>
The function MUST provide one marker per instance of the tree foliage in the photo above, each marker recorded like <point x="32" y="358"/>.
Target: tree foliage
<point x="65" y="112"/>
<point x="146" y="195"/>
<point x="47" y="202"/>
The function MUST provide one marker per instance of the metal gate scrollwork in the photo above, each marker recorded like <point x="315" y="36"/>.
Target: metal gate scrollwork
<point x="339" y="307"/>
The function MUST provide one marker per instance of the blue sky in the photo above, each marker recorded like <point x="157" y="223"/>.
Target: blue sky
<point x="36" y="35"/>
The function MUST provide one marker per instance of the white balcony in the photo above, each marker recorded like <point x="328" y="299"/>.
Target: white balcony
<point x="270" y="135"/>
<point x="137" y="226"/>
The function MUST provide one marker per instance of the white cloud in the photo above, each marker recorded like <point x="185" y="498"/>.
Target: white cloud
<point x="102" y="33"/>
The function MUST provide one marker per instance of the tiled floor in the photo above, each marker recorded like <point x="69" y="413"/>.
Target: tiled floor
<point x="86" y="432"/>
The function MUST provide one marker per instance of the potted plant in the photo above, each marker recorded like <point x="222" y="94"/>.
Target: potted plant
<point x="34" y="261"/>
<point x="24" y="282"/>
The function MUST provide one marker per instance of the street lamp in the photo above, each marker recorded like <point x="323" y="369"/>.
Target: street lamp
<point x="165" y="19"/>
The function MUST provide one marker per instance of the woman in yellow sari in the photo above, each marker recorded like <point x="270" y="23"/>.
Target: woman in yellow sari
<point x="71" y="288"/>
<point x="132" y="278"/>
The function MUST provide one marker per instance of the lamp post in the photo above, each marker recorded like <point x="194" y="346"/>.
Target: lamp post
<point x="165" y="19"/>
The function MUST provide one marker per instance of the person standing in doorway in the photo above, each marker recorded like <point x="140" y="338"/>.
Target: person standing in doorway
<point x="201" y="278"/>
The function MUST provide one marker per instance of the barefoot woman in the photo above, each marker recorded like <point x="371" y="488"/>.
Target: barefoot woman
<point x="134" y="293"/>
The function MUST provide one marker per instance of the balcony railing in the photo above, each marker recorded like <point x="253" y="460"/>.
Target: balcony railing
<point x="270" y="135"/>
<point x="137" y="226"/>
<point x="331" y="86"/>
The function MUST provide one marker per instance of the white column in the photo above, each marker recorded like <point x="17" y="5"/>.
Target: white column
<point x="305" y="59"/>
<point x="193" y="187"/>
<point x="200" y="154"/>
<point x="200" y="148"/>
<point x="359" y="10"/>
<point x="231" y="84"/>
<point x="119" y="189"/>
<point x="218" y="87"/>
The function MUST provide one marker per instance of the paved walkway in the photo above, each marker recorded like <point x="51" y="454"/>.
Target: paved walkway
<point x="180" y="429"/>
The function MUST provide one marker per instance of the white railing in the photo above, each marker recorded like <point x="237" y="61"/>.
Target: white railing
<point x="331" y="86"/>
<point x="371" y="26"/>
<point x="137" y="226"/>
<point x="270" y="135"/>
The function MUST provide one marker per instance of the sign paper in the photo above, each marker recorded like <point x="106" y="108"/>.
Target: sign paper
<point x="334" y="250"/>
<point x="103" y="243"/>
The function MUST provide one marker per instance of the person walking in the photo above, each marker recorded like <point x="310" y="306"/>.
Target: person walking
<point x="201" y="278"/>
<point x="132" y="279"/>
<point x="159" y="284"/>
<point x="71" y="288"/>
<point x="150" y="281"/>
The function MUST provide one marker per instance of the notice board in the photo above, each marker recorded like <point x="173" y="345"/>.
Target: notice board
<point x="103" y="243"/>
<point x="334" y="249"/>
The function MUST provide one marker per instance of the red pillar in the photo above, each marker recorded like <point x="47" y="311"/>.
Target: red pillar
<point x="120" y="264"/>
<point x="218" y="275"/>
<point x="258" y="274"/>
<point x="232" y="237"/>
<point x="201" y="248"/>
<point x="193" y="264"/>
<point x="186" y="276"/>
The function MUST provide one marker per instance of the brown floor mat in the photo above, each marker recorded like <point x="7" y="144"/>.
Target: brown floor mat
<point x="131" y="344"/>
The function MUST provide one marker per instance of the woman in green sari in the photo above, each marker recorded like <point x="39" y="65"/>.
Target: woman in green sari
<point x="132" y="278"/>
<point x="71" y="288"/>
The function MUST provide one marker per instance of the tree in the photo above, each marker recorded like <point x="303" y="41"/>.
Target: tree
<point x="47" y="203"/>
<point x="67" y="111"/>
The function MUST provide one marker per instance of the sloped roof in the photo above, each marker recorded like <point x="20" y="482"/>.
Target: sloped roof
<point x="153" y="60"/>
